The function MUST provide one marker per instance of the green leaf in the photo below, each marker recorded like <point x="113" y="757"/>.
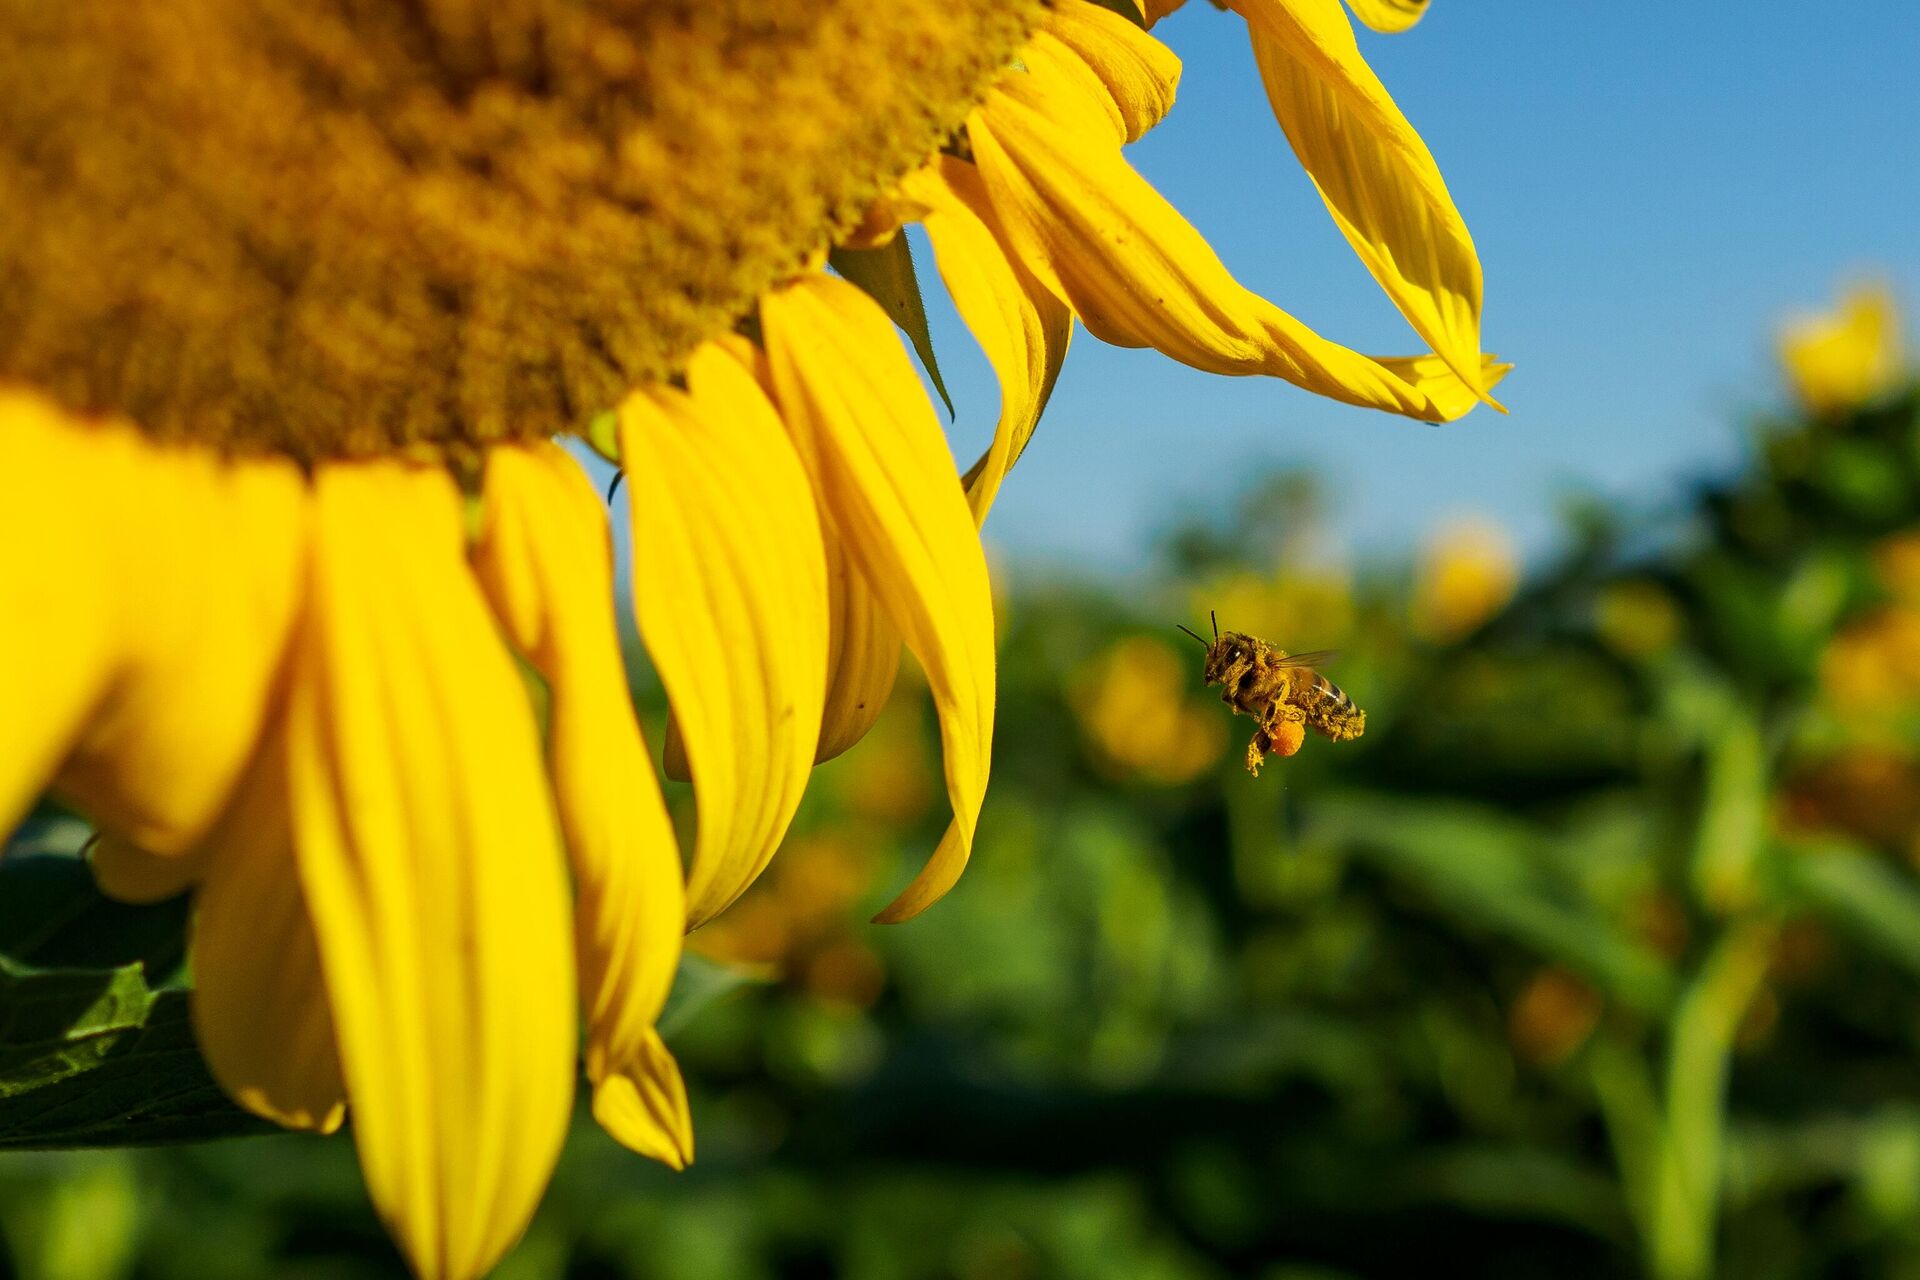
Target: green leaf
<point x="700" y="984"/>
<point x="53" y="917"/>
<point x="1489" y="870"/>
<point x="1876" y="903"/>
<point x="887" y="276"/>
<point x="96" y="1058"/>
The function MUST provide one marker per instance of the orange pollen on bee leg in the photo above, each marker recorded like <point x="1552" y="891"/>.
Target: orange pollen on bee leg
<point x="1287" y="737"/>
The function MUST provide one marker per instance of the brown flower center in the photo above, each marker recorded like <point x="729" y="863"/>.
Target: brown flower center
<point x="338" y="227"/>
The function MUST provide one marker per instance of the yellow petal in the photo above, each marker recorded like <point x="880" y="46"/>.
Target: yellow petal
<point x="863" y="654"/>
<point x="730" y="587"/>
<point x="1136" y="273"/>
<point x="1390" y="16"/>
<point x="887" y="483"/>
<point x="427" y="848"/>
<point x="645" y="1104"/>
<point x="1139" y="73"/>
<point x="1437" y="381"/>
<point x="1375" y="173"/>
<point x="132" y="874"/>
<point x="544" y="559"/>
<point x="259" y="1003"/>
<point x="62" y="487"/>
<point x="1022" y="327"/>
<point x="863" y="646"/>
<point x="141" y="635"/>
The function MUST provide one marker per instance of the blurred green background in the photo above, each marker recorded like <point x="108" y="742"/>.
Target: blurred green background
<point x="1599" y="955"/>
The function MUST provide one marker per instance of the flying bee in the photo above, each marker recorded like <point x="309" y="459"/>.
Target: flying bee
<point x="1280" y="690"/>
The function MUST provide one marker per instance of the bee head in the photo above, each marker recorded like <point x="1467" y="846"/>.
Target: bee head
<point x="1222" y="654"/>
<point x="1221" y="651"/>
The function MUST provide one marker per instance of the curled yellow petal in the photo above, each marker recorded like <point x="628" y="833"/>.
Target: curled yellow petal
<point x="1375" y="173"/>
<point x="887" y="484"/>
<point x="863" y="646"/>
<point x="863" y="654"/>
<point x="138" y="645"/>
<point x="1436" y="380"/>
<point x="427" y="848"/>
<point x="644" y="1105"/>
<point x="544" y="560"/>
<point x="1022" y="327"/>
<point x="730" y="588"/>
<point x="125" y="871"/>
<point x="1139" y="73"/>
<point x="260" y="1006"/>
<point x="1136" y="272"/>
<point x="1390" y="16"/>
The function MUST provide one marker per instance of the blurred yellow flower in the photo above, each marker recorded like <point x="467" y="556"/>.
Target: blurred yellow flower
<point x="1896" y="563"/>
<point x="1552" y="1016"/>
<point x="1839" y="360"/>
<point x="1637" y="619"/>
<point x="798" y="923"/>
<point x="1467" y="572"/>
<point x="1299" y="606"/>
<point x="1871" y="668"/>
<point x="1869" y="792"/>
<point x="1135" y="708"/>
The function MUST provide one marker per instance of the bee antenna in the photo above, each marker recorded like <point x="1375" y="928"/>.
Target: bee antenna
<point x="1195" y="634"/>
<point x="1214" y="618"/>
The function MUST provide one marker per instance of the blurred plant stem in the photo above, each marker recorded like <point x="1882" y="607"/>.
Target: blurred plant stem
<point x="1670" y="1146"/>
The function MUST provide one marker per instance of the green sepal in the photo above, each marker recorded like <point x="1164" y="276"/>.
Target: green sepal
<point x="887" y="276"/>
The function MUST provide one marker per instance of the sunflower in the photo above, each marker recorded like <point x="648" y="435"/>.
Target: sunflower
<point x="302" y="605"/>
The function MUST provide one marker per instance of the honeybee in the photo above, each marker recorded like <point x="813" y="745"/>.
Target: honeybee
<point x="1280" y="690"/>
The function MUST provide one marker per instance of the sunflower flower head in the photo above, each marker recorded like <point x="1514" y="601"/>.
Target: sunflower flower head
<point x="294" y="301"/>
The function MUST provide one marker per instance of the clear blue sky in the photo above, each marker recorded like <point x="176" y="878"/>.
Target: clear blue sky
<point x="1651" y="186"/>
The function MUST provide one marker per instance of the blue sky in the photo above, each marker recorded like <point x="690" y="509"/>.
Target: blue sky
<point x="1651" y="187"/>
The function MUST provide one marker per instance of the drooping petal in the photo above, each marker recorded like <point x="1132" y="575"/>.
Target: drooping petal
<point x="881" y="467"/>
<point x="1139" y="73"/>
<point x="863" y="645"/>
<point x="1390" y="16"/>
<point x="58" y="638"/>
<point x="1022" y="327"/>
<point x="1375" y="173"/>
<point x="428" y="850"/>
<point x="1136" y="272"/>
<point x="260" y="1007"/>
<point x="863" y="654"/>
<point x="730" y="588"/>
<point x="544" y="560"/>
<point x="132" y="874"/>
<point x="138" y="640"/>
<point x="1437" y="381"/>
<point x="644" y="1104"/>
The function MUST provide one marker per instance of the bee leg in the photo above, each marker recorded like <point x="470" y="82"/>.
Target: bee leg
<point x="1256" y="751"/>
<point x="1284" y="729"/>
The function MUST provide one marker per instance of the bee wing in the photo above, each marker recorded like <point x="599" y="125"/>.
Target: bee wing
<point x="1319" y="657"/>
